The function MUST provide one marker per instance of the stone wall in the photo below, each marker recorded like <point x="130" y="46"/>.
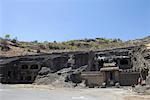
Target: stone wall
<point x="128" y="78"/>
<point x="93" y="78"/>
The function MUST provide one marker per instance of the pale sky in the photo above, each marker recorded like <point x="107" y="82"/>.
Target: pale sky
<point x="62" y="20"/>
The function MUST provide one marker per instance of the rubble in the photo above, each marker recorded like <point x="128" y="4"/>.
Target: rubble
<point x="67" y="77"/>
<point x="44" y="71"/>
<point x="142" y="89"/>
<point x="55" y="79"/>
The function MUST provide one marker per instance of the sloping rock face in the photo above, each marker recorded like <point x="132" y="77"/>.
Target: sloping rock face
<point x="146" y="55"/>
<point x="44" y="71"/>
<point x="66" y="77"/>
<point x="141" y="57"/>
<point x="53" y="79"/>
<point x="141" y="60"/>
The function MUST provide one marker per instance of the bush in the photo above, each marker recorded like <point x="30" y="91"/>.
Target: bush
<point x="29" y="50"/>
<point x="14" y="41"/>
<point x="38" y="51"/>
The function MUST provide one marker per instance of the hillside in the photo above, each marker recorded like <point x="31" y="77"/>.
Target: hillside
<point x="12" y="47"/>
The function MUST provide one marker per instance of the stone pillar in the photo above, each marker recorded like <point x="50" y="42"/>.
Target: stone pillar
<point x="90" y="60"/>
<point x="117" y="76"/>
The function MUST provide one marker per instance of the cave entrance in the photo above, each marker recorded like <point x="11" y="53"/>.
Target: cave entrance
<point x="111" y="75"/>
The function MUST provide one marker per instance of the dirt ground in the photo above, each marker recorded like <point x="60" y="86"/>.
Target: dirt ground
<point x="47" y="92"/>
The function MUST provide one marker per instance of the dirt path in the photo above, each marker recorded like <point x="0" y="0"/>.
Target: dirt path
<point x="33" y="92"/>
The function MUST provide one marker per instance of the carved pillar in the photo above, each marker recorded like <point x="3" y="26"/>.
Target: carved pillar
<point x="90" y="60"/>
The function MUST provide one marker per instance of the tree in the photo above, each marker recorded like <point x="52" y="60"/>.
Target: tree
<point x="35" y="41"/>
<point x="14" y="40"/>
<point x="7" y="36"/>
<point x="54" y="41"/>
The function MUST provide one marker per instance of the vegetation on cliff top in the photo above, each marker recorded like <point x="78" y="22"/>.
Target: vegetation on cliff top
<point x="11" y="46"/>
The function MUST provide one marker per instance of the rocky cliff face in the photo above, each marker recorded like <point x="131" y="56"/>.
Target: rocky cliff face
<point x="140" y="56"/>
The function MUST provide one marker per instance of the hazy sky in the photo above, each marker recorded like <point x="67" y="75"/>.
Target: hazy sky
<point x="63" y="20"/>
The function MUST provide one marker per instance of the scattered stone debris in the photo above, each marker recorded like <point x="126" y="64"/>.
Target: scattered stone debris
<point x="142" y="89"/>
<point x="46" y="79"/>
<point x="148" y="80"/>
<point x="67" y="77"/>
<point x="44" y="71"/>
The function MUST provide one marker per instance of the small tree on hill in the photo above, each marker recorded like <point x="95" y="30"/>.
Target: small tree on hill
<point x="7" y="36"/>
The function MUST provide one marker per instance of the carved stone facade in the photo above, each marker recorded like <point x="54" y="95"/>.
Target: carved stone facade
<point x="108" y="66"/>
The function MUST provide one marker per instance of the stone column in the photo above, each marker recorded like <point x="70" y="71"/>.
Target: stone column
<point x="90" y="60"/>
